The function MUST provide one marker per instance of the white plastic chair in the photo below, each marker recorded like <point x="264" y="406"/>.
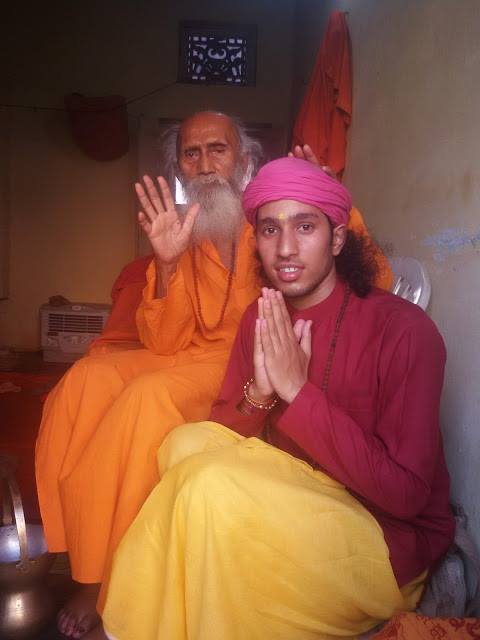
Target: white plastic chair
<point x="411" y="281"/>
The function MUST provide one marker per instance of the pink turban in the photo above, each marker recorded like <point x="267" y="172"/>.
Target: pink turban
<point x="295" y="179"/>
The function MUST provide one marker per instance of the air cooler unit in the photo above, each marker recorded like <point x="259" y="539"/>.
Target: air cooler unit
<point x="67" y="330"/>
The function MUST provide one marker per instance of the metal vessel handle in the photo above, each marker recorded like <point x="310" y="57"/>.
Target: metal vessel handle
<point x="7" y="472"/>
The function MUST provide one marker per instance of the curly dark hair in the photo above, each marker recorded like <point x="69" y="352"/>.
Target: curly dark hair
<point x="356" y="264"/>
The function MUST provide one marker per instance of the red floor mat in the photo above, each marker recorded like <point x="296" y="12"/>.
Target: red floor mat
<point x="20" y="414"/>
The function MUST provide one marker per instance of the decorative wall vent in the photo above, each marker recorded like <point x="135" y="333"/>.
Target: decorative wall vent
<point x="213" y="53"/>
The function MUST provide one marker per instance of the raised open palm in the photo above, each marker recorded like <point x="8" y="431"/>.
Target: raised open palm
<point x="169" y="235"/>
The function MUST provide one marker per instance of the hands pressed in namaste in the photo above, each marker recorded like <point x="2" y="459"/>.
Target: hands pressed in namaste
<point x="168" y="234"/>
<point x="281" y="351"/>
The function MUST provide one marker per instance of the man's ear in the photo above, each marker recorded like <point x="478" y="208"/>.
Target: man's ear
<point x="339" y="236"/>
<point x="244" y="161"/>
<point x="247" y="168"/>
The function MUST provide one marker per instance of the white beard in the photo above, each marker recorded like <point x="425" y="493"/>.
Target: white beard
<point x="220" y="216"/>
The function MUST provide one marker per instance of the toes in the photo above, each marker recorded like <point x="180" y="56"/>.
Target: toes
<point x="62" y="619"/>
<point x="78" y="633"/>
<point x="66" y="623"/>
<point x="71" y="625"/>
<point x="79" y="616"/>
<point x="81" y="628"/>
<point x="84" y="625"/>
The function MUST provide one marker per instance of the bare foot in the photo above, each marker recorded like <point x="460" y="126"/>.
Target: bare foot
<point x="80" y="615"/>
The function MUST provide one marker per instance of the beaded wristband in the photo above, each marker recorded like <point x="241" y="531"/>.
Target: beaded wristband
<point x="264" y="406"/>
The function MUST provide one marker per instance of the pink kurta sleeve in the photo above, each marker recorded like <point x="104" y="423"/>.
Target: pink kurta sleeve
<point x="394" y="466"/>
<point x="167" y="324"/>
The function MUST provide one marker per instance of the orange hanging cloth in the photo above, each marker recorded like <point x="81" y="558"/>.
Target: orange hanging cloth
<point x="325" y="116"/>
<point x="326" y="110"/>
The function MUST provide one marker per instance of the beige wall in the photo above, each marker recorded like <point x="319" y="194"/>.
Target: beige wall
<point x="72" y="218"/>
<point x="414" y="171"/>
<point x="71" y="228"/>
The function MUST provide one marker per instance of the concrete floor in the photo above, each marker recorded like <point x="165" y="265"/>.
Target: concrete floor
<point x="61" y="586"/>
<point x="20" y="412"/>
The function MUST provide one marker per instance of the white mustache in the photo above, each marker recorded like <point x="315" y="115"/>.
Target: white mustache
<point x="208" y="179"/>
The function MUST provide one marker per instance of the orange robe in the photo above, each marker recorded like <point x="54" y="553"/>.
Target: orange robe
<point x="121" y="331"/>
<point x="325" y="116"/>
<point x="104" y="421"/>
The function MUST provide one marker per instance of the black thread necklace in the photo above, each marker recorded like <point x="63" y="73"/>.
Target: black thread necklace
<point x="333" y="342"/>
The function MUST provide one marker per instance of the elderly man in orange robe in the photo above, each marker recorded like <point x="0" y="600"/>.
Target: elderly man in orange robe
<point x="105" y="420"/>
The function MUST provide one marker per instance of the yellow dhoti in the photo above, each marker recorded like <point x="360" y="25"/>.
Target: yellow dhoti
<point x="243" y="541"/>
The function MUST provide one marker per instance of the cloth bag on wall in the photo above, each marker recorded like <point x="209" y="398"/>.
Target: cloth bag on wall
<point x="99" y="125"/>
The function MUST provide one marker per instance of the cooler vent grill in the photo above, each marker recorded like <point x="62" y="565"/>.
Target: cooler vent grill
<point x="74" y="323"/>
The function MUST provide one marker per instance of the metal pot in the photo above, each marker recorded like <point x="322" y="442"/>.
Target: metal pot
<point x="26" y="604"/>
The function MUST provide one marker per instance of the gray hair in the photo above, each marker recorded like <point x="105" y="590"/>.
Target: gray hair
<point x="169" y="144"/>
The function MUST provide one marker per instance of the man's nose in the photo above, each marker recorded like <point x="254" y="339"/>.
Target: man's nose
<point x="287" y="244"/>
<point x="205" y="165"/>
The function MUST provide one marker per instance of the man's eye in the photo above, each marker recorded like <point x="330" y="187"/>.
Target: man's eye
<point x="219" y="150"/>
<point x="190" y="154"/>
<point x="268" y="231"/>
<point x="306" y="227"/>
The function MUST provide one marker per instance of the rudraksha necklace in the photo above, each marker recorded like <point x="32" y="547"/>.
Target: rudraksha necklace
<point x="227" y="294"/>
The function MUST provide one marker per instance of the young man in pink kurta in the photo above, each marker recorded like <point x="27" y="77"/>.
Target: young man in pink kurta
<point x="322" y="503"/>
<point x="376" y="429"/>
